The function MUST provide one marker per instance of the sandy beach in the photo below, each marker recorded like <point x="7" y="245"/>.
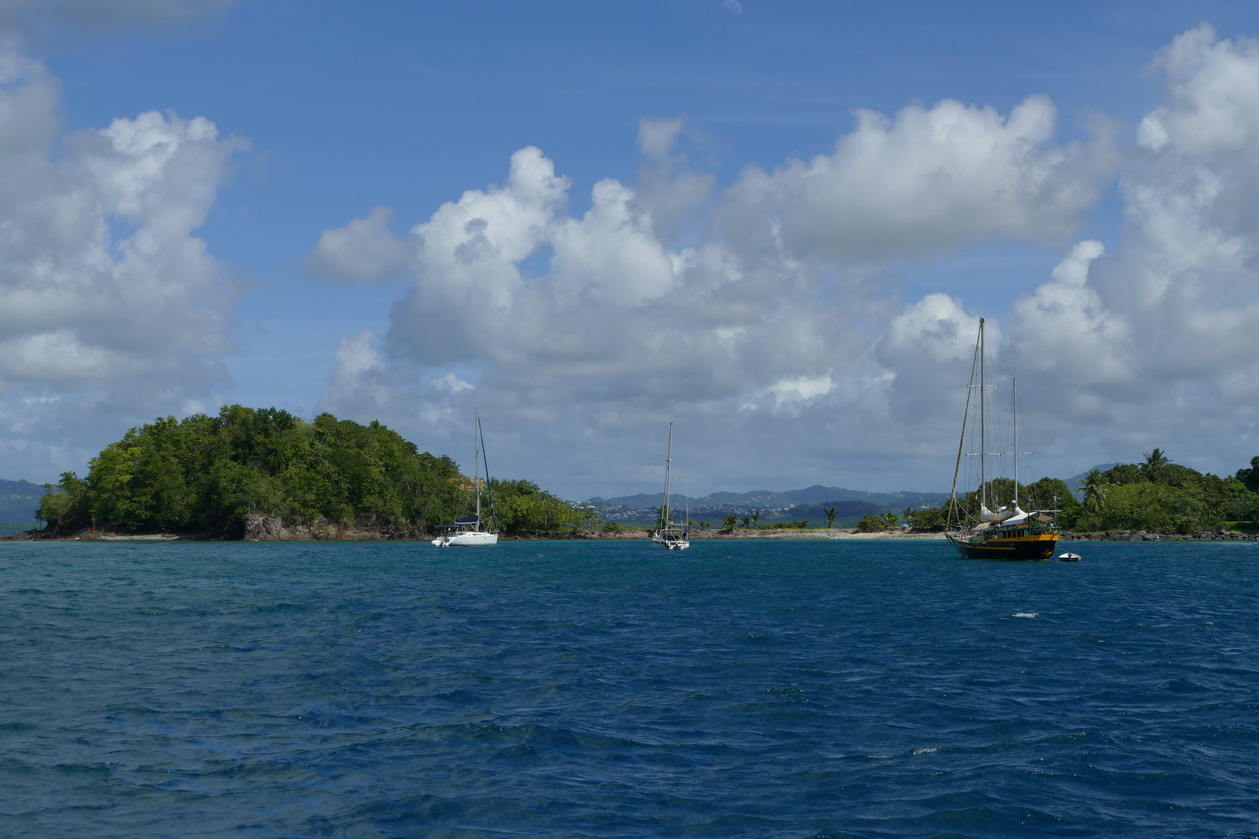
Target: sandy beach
<point x="756" y="533"/>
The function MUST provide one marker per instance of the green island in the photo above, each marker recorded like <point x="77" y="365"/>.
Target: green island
<point x="1156" y="496"/>
<point x="259" y="474"/>
<point x="266" y="474"/>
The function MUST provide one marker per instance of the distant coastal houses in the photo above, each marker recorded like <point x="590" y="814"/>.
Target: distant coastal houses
<point x="810" y="504"/>
<point x="19" y="500"/>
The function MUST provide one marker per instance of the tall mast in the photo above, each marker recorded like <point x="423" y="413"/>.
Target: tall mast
<point x="668" y="461"/>
<point x="962" y="438"/>
<point x="1014" y="386"/>
<point x="983" y="424"/>
<point x="476" y="464"/>
<point x="489" y="484"/>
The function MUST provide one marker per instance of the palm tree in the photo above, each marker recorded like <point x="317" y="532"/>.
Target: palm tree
<point x="1094" y="491"/>
<point x="756" y="516"/>
<point x="729" y="522"/>
<point x="1250" y="477"/>
<point x="831" y="513"/>
<point x="1155" y="461"/>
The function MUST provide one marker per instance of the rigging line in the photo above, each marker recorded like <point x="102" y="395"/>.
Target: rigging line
<point x="489" y="486"/>
<point x="961" y="442"/>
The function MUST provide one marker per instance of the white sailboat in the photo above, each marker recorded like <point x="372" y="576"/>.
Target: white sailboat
<point x="669" y="535"/>
<point x="469" y="532"/>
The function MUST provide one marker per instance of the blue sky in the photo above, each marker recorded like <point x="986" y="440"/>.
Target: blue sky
<point x="775" y="224"/>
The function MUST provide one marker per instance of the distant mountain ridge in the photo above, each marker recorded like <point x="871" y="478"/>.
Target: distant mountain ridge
<point x="1075" y="484"/>
<point x="815" y="494"/>
<point x="18" y="501"/>
<point x="792" y="505"/>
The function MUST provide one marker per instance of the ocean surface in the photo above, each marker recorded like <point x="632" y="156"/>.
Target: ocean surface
<point x="753" y="688"/>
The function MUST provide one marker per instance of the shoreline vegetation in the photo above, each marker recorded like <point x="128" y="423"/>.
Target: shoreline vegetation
<point x="625" y="535"/>
<point x="266" y="475"/>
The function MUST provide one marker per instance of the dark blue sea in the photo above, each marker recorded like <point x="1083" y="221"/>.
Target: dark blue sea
<point x="801" y="689"/>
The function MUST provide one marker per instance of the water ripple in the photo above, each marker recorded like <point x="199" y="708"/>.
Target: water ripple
<point x="564" y="689"/>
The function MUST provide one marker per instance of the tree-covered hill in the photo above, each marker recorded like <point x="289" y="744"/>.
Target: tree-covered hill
<point x="1162" y="496"/>
<point x="1156" y="496"/>
<point x="210" y="475"/>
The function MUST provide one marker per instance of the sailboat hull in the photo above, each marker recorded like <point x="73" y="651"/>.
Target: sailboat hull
<point x="1010" y="532"/>
<point x="671" y="536"/>
<point x="467" y="532"/>
<point x="1034" y="546"/>
<point x="467" y="540"/>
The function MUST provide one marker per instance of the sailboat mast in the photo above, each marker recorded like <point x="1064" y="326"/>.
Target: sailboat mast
<point x="983" y="423"/>
<point x="668" y="462"/>
<point x="1014" y="387"/>
<point x="489" y="484"/>
<point x="476" y="464"/>
<point x="954" y="510"/>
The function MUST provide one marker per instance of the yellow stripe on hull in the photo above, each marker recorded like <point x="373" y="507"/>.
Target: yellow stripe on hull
<point x="1035" y="546"/>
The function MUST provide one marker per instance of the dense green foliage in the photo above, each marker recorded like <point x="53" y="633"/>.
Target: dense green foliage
<point x="209" y="474"/>
<point x="524" y="508"/>
<point x="1157" y="496"/>
<point x="1162" y="496"/>
<point x="871" y="523"/>
<point x="803" y="524"/>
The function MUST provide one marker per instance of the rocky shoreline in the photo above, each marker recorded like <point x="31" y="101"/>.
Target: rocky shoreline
<point x="1214" y="535"/>
<point x="1219" y="534"/>
<point x="269" y="529"/>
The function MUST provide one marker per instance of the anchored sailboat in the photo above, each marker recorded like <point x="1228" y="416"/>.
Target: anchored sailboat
<point x="469" y="531"/>
<point x="669" y="534"/>
<point x="1007" y="532"/>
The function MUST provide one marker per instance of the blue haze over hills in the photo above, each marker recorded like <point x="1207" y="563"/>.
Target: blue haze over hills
<point x="20" y="499"/>
<point x="791" y="505"/>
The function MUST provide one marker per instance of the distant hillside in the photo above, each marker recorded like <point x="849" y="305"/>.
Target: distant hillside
<point x="767" y="498"/>
<point x="793" y="505"/>
<point x="807" y="504"/>
<point x="1074" y="483"/>
<point x="18" y="501"/>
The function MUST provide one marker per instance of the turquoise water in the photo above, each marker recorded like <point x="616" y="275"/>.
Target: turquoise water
<point x="559" y="689"/>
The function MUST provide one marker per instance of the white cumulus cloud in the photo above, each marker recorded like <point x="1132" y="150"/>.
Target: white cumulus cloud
<point x="111" y="302"/>
<point x="362" y="251"/>
<point x="771" y="310"/>
<point x="606" y="318"/>
<point x="924" y="180"/>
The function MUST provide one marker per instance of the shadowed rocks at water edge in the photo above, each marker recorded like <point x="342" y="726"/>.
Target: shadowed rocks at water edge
<point x="1218" y="534"/>
<point x="273" y="529"/>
